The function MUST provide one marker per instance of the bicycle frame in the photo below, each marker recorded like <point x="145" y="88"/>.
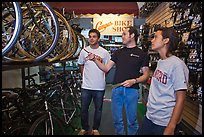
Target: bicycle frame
<point x="51" y="111"/>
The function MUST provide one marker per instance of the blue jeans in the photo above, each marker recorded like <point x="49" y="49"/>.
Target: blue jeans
<point x="86" y="98"/>
<point x="127" y="97"/>
<point x="149" y="128"/>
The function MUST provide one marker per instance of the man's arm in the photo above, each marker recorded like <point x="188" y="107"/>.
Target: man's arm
<point x="144" y="77"/>
<point x="104" y="67"/>
<point x="177" y="112"/>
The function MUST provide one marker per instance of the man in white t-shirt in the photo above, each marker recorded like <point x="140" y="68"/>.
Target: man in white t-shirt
<point x="93" y="82"/>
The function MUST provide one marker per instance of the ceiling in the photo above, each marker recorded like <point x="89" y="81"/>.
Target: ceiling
<point x="97" y="7"/>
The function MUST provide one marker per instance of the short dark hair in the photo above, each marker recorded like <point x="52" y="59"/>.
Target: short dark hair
<point x="133" y="30"/>
<point x="95" y="31"/>
<point x="173" y="37"/>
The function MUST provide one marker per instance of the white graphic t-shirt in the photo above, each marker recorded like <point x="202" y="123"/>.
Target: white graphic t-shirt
<point x="170" y="75"/>
<point x="93" y="77"/>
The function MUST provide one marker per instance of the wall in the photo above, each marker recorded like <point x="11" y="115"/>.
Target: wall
<point x="85" y="23"/>
<point x="160" y="14"/>
<point x="138" y="22"/>
<point x="13" y="78"/>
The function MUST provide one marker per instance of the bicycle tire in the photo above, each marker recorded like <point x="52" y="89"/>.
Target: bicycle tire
<point x="38" y="126"/>
<point x="32" y="54"/>
<point x="64" y="39"/>
<point x="18" y="130"/>
<point x="73" y="46"/>
<point x="17" y="29"/>
<point x="56" y="33"/>
<point x="82" y="42"/>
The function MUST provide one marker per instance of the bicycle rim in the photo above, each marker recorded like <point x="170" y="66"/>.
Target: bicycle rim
<point x="43" y="34"/>
<point x="82" y="42"/>
<point x="19" y="130"/>
<point x="17" y="21"/>
<point x="64" y="39"/>
<point x="42" y="126"/>
<point x="73" y="46"/>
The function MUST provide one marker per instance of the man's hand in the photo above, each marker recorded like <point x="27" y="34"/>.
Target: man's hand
<point x="98" y="58"/>
<point x="93" y="57"/>
<point x="128" y="83"/>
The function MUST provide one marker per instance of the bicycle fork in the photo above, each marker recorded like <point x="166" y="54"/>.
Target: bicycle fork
<point x="50" y="120"/>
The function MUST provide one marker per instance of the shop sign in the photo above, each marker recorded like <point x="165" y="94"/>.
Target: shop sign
<point x="112" y="25"/>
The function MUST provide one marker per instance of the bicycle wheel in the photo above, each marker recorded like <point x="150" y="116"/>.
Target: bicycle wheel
<point x="44" y="32"/>
<point x="18" y="130"/>
<point x="40" y="33"/>
<point x="64" y="41"/>
<point x="43" y="126"/>
<point x="11" y="25"/>
<point x="82" y="42"/>
<point x="72" y="47"/>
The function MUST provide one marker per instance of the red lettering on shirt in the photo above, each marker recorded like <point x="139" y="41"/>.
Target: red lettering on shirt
<point x="160" y="76"/>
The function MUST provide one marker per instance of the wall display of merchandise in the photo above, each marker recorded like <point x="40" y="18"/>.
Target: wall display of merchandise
<point x="148" y="8"/>
<point x="188" y="23"/>
<point x="186" y="18"/>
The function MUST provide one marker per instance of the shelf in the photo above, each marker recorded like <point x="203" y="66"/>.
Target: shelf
<point x="66" y="68"/>
<point x="23" y="64"/>
<point x="200" y="62"/>
<point x="112" y="45"/>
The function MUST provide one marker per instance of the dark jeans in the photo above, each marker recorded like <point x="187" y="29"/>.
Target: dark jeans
<point x="149" y="128"/>
<point x="86" y="98"/>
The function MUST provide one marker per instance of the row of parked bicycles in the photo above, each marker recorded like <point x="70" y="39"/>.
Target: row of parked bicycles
<point x="35" y="32"/>
<point x="49" y="108"/>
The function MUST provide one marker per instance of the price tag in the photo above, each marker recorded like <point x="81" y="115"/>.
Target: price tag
<point x="185" y="37"/>
<point x="65" y="33"/>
